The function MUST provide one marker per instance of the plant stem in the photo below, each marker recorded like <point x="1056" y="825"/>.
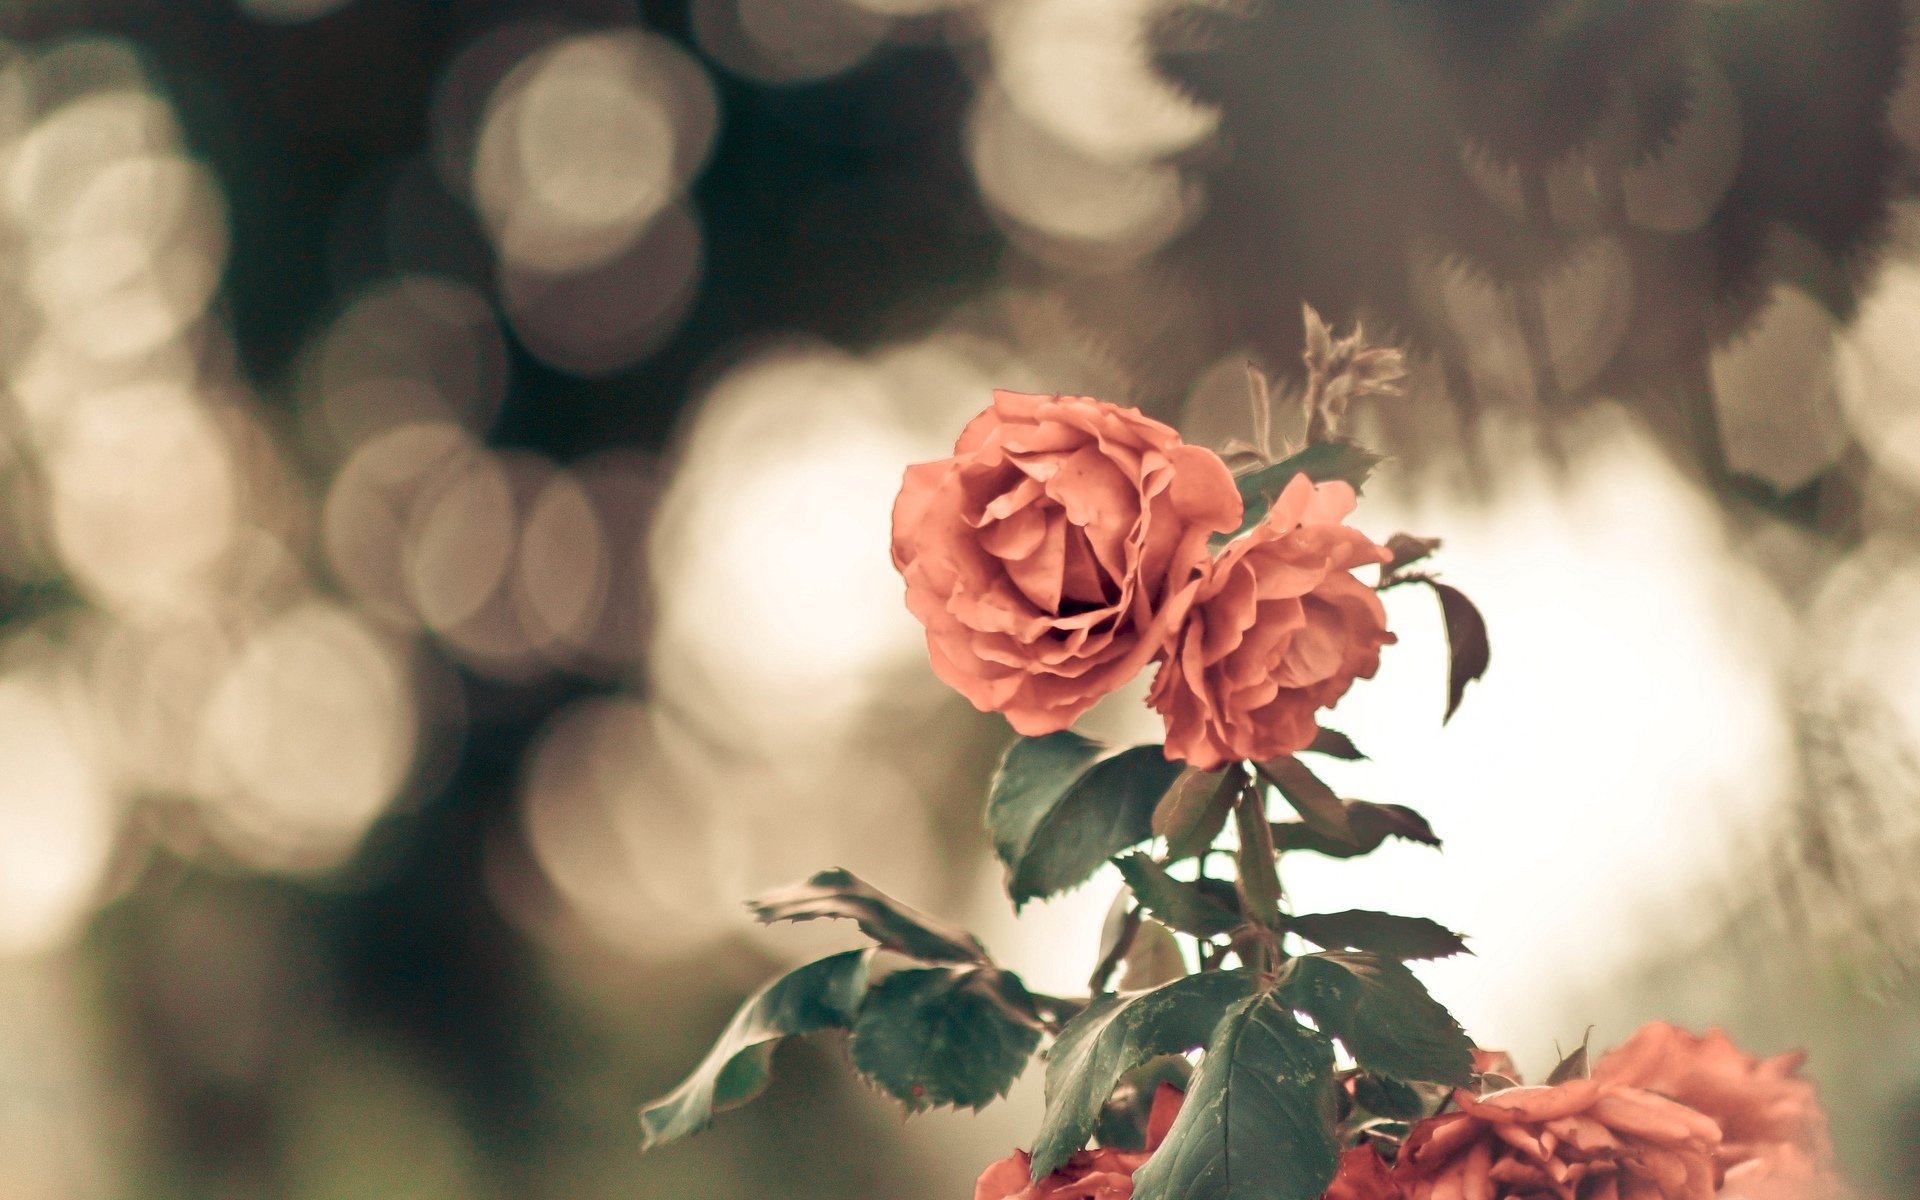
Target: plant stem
<point x="1257" y="879"/>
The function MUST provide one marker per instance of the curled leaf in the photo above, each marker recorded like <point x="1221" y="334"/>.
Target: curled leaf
<point x="838" y="894"/>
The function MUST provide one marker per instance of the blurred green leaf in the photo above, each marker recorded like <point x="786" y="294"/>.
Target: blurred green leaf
<point x="944" y="1035"/>
<point x="1321" y="462"/>
<point x="1383" y="933"/>
<point x="821" y="995"/>
<point x="838" y="894"/>
<point x="1316" y="803"/>
<point x="1113" y="1036"/>
<point x="1258" y="1123"/>
<point x="1334" y="744"/>
<point x="1153" y="959"/>
<point x="1371" y="824"/>
<point x="1387" y="1097"/>
<point x="1383" y="1015"/>
<point x="1193" y="812"/>
<point x="1468" y="653"/>
<point x="1173" y="901"/>
<point x="1573" y="1066"/>
<point x="1062" y="805"/>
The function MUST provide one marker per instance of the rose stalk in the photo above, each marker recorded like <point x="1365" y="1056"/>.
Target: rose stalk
<point x="1255" y="1052"/>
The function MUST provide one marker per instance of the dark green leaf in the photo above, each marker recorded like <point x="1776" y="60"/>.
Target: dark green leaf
<point x="1323" y="811"/>
<point x="1407" y="550"/>
<point x="1383" y="933"/>
<point x="1172" y="901"/>
<point x="1321" y="462"/>
<point x="1112" y="1037"/>
<point x="1573" y="1066"/>
<point x="1123" y="1118"/>
<point x="839" y="894"/>
<point x="1467" y="649"/>
<point x="1383" y="1015"/>
<point x="820" y="995"/>
<point x="1334" y="744"/>
<point x="1058" y="809"/>
<point x="1372" y="824"/>
<point x="1193" y="812"/>
<point x="1387" y="1097"/>
<point x="1258" y="1123"/>
<point x="943" y="1035"/>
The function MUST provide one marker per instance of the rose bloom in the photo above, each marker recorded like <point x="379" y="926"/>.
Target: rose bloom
<point x="1580" y="1140"/>
<point x="1056" y="552"/>
<point x="1107" y="1174"/>
<point x="1774" y="1140"/>
<point x="1279" y="630"/>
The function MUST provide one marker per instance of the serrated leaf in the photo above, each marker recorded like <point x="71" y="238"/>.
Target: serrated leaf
<point x="1324" y="812"/>
<point x="1113" y="1036"/>
<point x="1383" y="1015"/>
<point x="1173" y="901"/>
<point x="1383" y="933"/>
<point x="1468" y="653"/>
<point x="1371" y="823"/>
<point x="1386" y="1097"/>
<point x="1061" y="805"/>
<point x="1334" y="744"/>
<point x="821" y="995"/>
<point x="1193" y="812"/>
<point x="1573" y="1066"/>
<point x="838" y="894"/>
<point x="1321" y="462"/>
<point x="943" y="1035"/>
<point x="1125" y="1117"/>
<point x="1258" y="1123"/>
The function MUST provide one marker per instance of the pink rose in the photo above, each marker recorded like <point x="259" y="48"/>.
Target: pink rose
<point x="1056" y="552"/>
<point x="1774" y="1140"/>
<point x="1279" y="630"/>
<point x="1580" y="1140"/>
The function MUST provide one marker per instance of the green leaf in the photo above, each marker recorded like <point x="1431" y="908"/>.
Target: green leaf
<point x="1407" y="550"/>
<point x="1383" y="933"/>
<point x="1193" y="812"/>
<point x="1383" y="1015"/>
<point x="1321" y="462"/>
<point x="1573" y="1066"/>
<point x="1113" y="1036"/>
<point x="1371" y="823"/>
<point x="821" y="995"/>
<point x="839" y="894"/>
<point x="944" y="1035"/>
<point x="1334" y="744"/>
<point x="1387" y="1097"/>
<point x="1124" y="1117"/>
<point x="1172" y="901"/>
<point x="1467" y="650"/>
<point x="1323" y="811"/>
<point x="1258" y="1123"/>
<point x="1061" y="805"/>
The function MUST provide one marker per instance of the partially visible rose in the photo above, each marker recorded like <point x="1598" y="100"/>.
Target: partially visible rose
<point x="1280" y="629"/>
<point x="1774" y="1139"/>
<point x="1107" y="1174"/>
<point x="1056" y="552"/>
<point x="1103" y="1174"/>
<point x="1579" y="1140"/>
<point x="1363" y="1175"/>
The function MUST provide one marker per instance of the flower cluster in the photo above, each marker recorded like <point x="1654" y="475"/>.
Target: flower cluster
<point x="1667" y="1116"/>
<point x="1065" y="545"/>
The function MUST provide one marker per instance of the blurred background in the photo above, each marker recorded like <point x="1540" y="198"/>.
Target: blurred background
<point x="446" y="450"/>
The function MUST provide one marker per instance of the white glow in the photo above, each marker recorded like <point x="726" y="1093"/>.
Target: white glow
<point x="57" y="817"/>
